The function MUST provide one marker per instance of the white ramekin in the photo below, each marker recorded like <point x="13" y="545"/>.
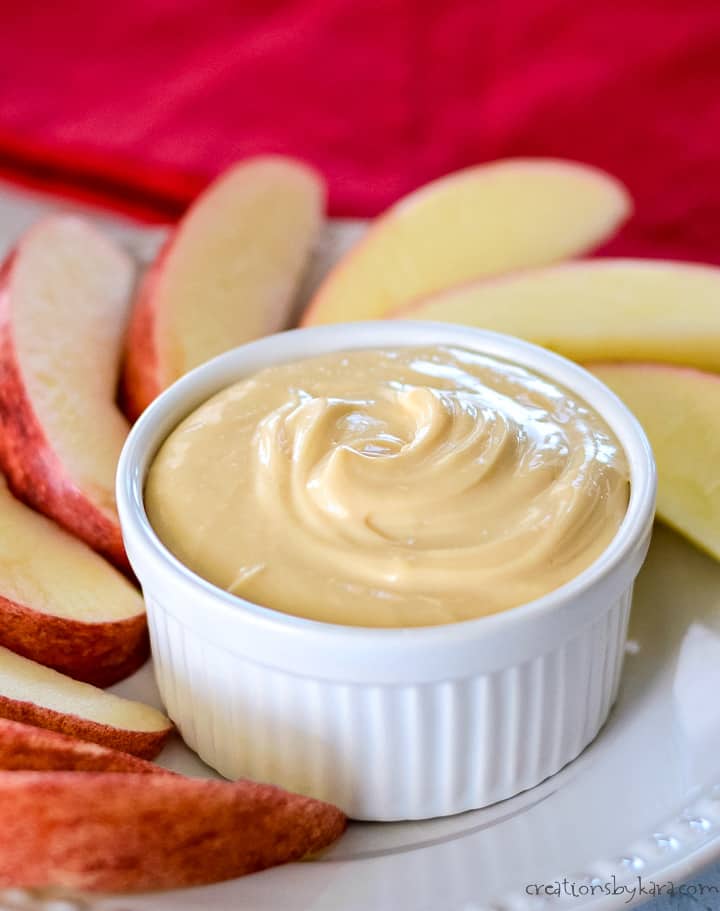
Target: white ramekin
<point x="386" y="723"/>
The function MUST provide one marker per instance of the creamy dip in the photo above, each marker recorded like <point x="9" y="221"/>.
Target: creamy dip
<point x="390" y="487"/>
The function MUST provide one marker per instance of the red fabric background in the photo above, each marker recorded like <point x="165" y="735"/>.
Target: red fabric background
<point x="140" y="103"/>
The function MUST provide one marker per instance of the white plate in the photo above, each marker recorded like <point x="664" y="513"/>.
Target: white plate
<point x="642" y="801"/>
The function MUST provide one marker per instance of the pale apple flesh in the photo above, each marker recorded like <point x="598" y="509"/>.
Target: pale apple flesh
<point x="227" y="274"/>
<point x="24" y="747"/>
<point x="61" y="604"/>
<point x="601" y="309"/>
<point x="114" y="832"/>
<point x="64" y="302"/>
<point x="679" y="408"/>
<point x="483" y="221"/>
<point x="33" y="694"/>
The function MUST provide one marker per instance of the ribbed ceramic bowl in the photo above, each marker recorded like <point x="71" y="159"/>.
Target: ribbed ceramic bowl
<point x="386" y="723"/>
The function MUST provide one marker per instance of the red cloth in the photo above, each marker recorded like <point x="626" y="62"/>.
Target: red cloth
<point x="140" y="103"/>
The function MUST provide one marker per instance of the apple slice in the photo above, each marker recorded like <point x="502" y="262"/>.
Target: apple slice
<point x="227" y="275"/>
<point x="680" y="411"/>
<point x="63" y="312"/>
<point x="603" y="309"/>
<point x="28" y="748"/>
<point x="61" y="604"/>
<point x="110" y="832"/>
<point x="485" y="220"/>
<point x="33" y="694"/>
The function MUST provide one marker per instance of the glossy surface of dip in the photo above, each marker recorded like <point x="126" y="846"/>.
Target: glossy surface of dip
<point x="403" y="487"/>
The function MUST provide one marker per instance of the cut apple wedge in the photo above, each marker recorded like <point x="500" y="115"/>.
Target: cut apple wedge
<point x="603" y="309"/>
<point x="61" y="604"/>
<point x="24" y="747"/>
<point x="227" y="274"/>
<point x="680" y="411"/>
<point x="33" y="694"/>
<point x="64" y="296"/>
<point x="483" y="221"/>
<point x="113" y="832"/>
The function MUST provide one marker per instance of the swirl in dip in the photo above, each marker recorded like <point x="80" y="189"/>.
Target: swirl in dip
<point x="390" y="488"/>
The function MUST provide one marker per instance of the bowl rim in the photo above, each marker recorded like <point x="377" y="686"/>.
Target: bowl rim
<point x="183" y="396"/>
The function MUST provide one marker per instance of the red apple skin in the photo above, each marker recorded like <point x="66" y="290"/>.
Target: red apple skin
<point x="115" y="832"/>
<point x="98" y="653"/>
<point x="141" y="381"/>
<point x="144" y="744"/>
<point x="24" y="747"/>
<point x="33" y="470"/>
